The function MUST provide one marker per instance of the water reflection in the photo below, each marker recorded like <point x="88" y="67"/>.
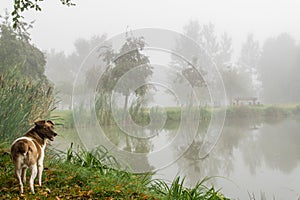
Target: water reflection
<point x="278" y="145"/>
<point x="252" y="156"/>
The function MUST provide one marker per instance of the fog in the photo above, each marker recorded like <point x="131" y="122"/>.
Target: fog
<point x="59" y="29"/>
<point x="111" y="62"/>
<point x="58" y="26"/>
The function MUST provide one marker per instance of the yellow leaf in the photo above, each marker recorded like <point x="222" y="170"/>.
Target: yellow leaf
<point x="48" y="190"/>
<point x="90" y="193"/>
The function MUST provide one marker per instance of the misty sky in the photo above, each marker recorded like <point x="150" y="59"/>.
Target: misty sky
<point x="57" y="26"/>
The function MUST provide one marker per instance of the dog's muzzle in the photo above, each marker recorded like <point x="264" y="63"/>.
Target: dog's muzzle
<point x="52" y="137"/>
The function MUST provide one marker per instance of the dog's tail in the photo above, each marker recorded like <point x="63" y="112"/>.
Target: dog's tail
<point x="20" y="148"/>
<point x="23" y="148"/>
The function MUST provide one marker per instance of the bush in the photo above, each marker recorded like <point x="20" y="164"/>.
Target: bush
<point x="296" y="110"/>
<point x="276" y="112"/>
<point x="21" y="103"/>
<point x="174" y="114"/>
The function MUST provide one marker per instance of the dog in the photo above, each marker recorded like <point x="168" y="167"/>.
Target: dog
<point x="29" y="152"/>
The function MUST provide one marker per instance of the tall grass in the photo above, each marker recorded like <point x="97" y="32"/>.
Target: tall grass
<point x="176" y="190"/>
<point x="96" y="158"/>
<point x="100" y="160"/>
<point x="21" y="103"/>
<point x="108" y="181"/>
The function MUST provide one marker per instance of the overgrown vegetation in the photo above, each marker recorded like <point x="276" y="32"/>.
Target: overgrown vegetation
<point x="81" y="174"/>
<point x="264" y="113"/>
<point x="25" y="92"/>
<point x="21" y="103"/>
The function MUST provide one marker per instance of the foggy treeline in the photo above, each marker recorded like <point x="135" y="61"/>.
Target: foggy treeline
<point x="268" y="71"/>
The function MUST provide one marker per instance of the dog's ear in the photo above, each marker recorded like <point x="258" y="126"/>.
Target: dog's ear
<point x="50" y="122"/>
<point x="40" y="123"/>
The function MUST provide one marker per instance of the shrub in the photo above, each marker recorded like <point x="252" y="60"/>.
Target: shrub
<point x="276" y="112"/>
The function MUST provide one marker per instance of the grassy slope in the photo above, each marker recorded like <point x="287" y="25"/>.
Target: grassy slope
<point x="81" y="176"/>
<point x="66" y="180"/>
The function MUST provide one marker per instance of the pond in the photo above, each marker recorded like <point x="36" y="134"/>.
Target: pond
<point x="260" y="159"/>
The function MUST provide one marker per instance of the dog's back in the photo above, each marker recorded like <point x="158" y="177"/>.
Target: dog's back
<point x="24" y="152"/>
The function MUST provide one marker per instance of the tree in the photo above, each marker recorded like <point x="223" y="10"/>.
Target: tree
<point x="279" y="69"/>
<point x="119" y="63"/>
<point x="61" y="69"/>
<point x="214" y="50"/>
<point x="17" y="51"/>
<point x="237" y="82"/>
<point x="191" y="31"/>
<point x="21" y="5"/>
<point x="250" y="54"/>
<point x="223" y="57"/>
<point x="248" y="61"/>
<point x="195" y="59"/>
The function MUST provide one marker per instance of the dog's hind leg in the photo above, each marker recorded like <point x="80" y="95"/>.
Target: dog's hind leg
<point x="18" y="172"/>
<point x="33" y="170"/>
<point x="24" y="170"/>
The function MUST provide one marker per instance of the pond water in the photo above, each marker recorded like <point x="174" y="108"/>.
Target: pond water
<point x="250" y="159"/>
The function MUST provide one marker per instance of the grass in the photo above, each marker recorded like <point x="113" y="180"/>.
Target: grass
<point x="80" y="174"/>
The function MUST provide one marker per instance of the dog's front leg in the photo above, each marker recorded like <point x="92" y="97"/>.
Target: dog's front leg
<point x="40" y="171"/>
<point x="33" y="170"/>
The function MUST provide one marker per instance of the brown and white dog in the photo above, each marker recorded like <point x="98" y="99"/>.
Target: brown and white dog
<point x="28" y="152"/>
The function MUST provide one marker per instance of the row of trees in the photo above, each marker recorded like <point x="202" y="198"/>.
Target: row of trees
<point x="267" y="71"/>
<point x="238" y="76"/>
<point x="62" y="69"/>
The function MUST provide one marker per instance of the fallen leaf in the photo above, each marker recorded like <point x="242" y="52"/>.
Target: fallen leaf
<point x="90" y="193"/>
<point x="48" y="190"/>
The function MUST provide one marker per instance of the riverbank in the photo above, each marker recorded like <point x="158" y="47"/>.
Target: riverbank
<point x="173" y="114"/>
<point x="82" y="175"/>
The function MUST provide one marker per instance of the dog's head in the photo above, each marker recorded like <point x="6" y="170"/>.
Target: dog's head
<point x="45" y="129"/>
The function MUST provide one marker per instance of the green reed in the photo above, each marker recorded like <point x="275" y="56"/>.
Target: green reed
<point x="177" y="190"/>
<point x="21" y="103"/>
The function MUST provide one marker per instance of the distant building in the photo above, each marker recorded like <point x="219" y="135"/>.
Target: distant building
<point x="245" y="101"/>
